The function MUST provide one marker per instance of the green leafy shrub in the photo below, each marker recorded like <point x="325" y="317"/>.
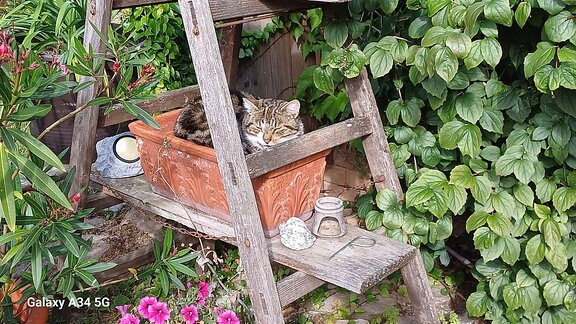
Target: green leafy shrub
<point x="477" y="102"/>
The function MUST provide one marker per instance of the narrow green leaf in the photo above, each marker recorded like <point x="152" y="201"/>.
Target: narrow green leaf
<point x="7" y="198"/>
<point x="30" y="113"/>
<point x="40" y="180"/>
<point x="36" y="262"/>
<point x="167" y="243"/>
<point x="140" y="114"/>
<point x="99" y="267"/>
<point x="37" y="148"/>
<point x="68" y="240"/>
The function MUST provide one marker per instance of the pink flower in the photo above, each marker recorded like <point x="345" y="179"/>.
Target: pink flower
<point x="129" y="319"/>
<point x="190" y="314"/>
<point x="144" y="306"/>
<point x="159" y="313"/>
<point x="123" y="309"/>
<point x="203" y="292"/>
<point x="64" y="69"/>
<point x="116" y="66"/>
<point x="228" y="317"/>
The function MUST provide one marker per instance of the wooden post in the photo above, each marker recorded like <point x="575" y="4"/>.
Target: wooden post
<point x="232" y="164"/>
<point x="419" y="290"/>
<point x="230" y="42"/>
<point x="98" y="16"/>
<point x="376" y="144"/>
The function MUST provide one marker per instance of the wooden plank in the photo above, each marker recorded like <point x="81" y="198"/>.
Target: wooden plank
<point x="136" y="191"/>
<point x="419" y="290"/>
<point x="101" y="200"/>
<point x="165" y="101"/>
<point x="229" y="153"/>
<point x="375" y="145"/>
<point x="98" y="16"/>
<point x="230" y="43"/>
<point x="317" y="141"/>
<point x="295" y="286"/>
<point x="355" y="269"/>
<point x="236" y="9"/>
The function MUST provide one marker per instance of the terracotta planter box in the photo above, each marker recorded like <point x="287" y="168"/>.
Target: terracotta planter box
<point x="178" y="168"/>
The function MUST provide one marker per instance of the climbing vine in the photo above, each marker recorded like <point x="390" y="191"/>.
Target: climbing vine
<point x="477" y="101"/>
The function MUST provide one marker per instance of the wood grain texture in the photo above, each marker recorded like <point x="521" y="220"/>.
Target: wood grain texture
<point x="375" y="145"/>
<point x="100" y="200"/>
<point x="355" y="269"/>
<point x="230" y="43"/>
<point x="136" y="191"/>
<point x="232" y="164"/>
<point x="317" y="141"/>
<point x="98" y="16"/>
<point x="295" y="286"/>
<point x="235" y="9"/>
<point x="416" y="281"/>
<point x="163" y="102"/>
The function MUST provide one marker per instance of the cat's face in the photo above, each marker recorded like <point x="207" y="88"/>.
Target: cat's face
<point x="271" y="121"/>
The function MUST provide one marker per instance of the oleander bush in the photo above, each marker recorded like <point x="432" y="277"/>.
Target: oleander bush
<point x="478" y="103"/>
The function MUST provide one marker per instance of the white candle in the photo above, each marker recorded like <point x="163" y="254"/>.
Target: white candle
<point x="125" y="148"/>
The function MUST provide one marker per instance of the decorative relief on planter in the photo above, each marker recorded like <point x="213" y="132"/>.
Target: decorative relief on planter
<point x="188" y="172"/>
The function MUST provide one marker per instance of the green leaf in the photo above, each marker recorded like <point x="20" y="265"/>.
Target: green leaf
<point x="484" y="238"/>
<point x="535" y="249"/>
<point x="36" y="147"/>
<point x="531" y="301"/>
<point x="498" y="11"/>
<point x="542" y="211"/>
<point x="399" y="51"/>
<point x="564" y="198"/>
<point x="476" y="220"/>
<point x="545" y="189"/>
<point x="472" y="14"/>
<point x="534" y="61"/>
<point x="30" y="113"/>
<point x="495" y="251"/>
<point x="446" y="64"/>
<point x="40" y="180"/>
<point x="469" y="107"/>
<point x="552" y="6"/>
<point x="7" y="198"/>
<point x="567" y="71"/>
<point x="434" y="6"/>
<point x="512" y="296"/>
<point x="68" y="240"/>
<point x="560" y="27"/>
<point x="386" y="199"/>
<point x="459" y="43"/>
<point x="462" y="176"/>
<point x="336" y="34"/>
<point x="491" y="49"/>
<point x="381" y="62"/>
<point x="554" y="292"/>
<point x="450" y="134"/>
<point x="551" y="232"/>
<point x="470" y="140"/>
<point x="388" y="6"/>
<point x="323" y="80"/>
<point x="418" y="27"/>
<point x="492" y="120"/>
<point x="511" y="250"/>
<point x="499" y="224"/>
<point x="475" y="56"/>
<point x="99" y="267"/>
<point x="456" y="197"/>
<point x="411" y="113"/>
<point x="36" y="262"/>
<point x="557" y="256"/>
<point x="503" y="203"/>
<point x="373" y="220"/>
<point x="140" y="114"/>
<point x="522" y="13"/>
<point x="478" y="303"/>
<point x="482" y="189"/>
<point x="524" y="194"/>
<point x="524" y="170"/>
<point x="491" y="153"/>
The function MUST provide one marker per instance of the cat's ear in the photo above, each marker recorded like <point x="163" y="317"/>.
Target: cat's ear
<point x="249" y="106"/>
<point x="293" y="107"/>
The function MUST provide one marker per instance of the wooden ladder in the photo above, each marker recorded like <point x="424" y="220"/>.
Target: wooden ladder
<point x="352" y="270"/>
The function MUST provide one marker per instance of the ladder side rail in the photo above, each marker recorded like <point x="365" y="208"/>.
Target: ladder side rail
<point x="203" y="44"/>
<point x="375" y="145"/>
<point x="98" y="17"/>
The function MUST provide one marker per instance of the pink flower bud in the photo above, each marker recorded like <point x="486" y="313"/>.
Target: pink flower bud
<point x="75" y="198"/>
<point x="116" y="67"/>
<point x="4" y="50"/>
<point x="64" y="69"/>
<point x="34" y="66"/>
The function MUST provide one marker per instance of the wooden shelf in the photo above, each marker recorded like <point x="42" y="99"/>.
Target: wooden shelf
<point x="356" y="269"/>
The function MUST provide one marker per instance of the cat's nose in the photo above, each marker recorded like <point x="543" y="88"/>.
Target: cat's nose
<point x="267" y="138"/>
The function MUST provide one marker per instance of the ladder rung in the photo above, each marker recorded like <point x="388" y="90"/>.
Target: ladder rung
<point x="163" y="102"/>
<point x="295" y="286"/>
<point x="317" y="141"/>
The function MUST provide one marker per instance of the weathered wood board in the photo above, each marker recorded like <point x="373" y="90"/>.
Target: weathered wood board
<point x="356" y="269"/>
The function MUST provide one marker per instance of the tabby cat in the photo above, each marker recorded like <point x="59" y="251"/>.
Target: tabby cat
<point x="261" y="122"/>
